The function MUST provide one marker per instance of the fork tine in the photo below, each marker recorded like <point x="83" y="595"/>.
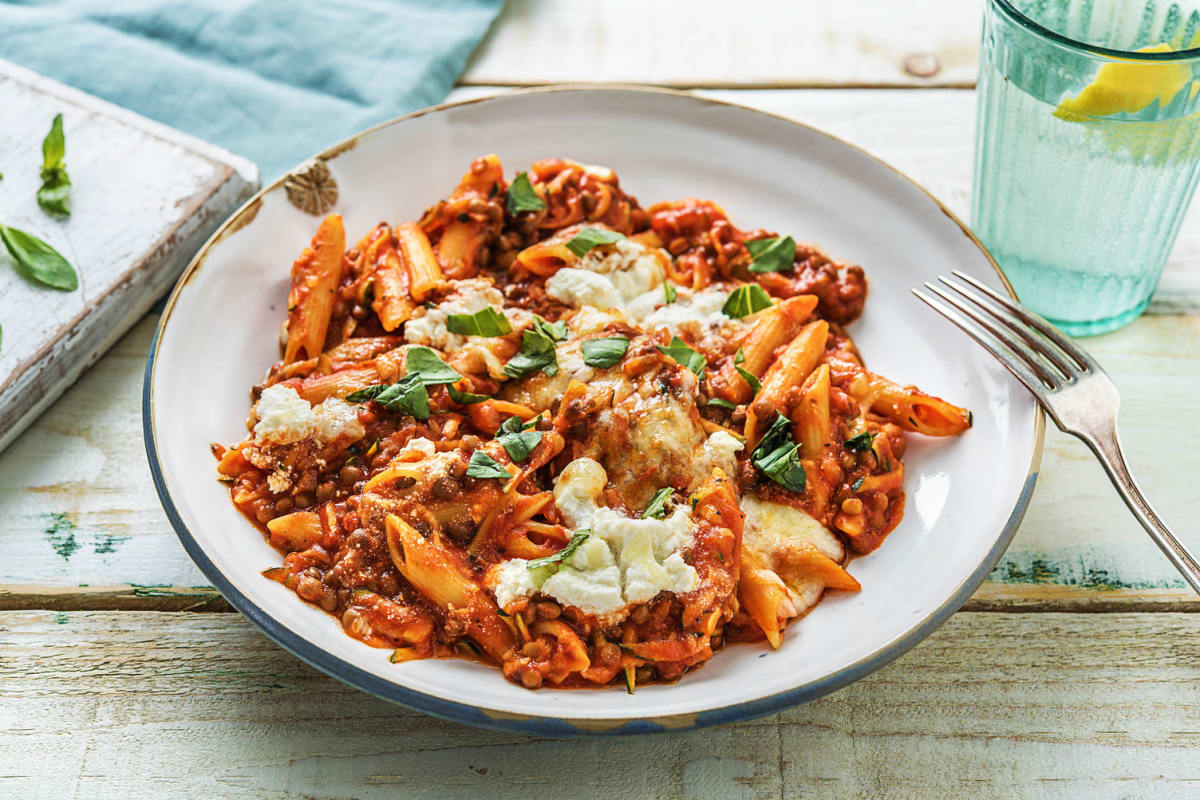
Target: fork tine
<point x="1049" y="379"/>
<point x="1067" y="368"/>
<point x="990" y="343"/>
<point x="1082" y="357"/>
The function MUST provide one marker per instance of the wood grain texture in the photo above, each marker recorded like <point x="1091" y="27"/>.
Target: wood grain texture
<point x="711" y="43"/>
<point x="144" y="197"/>
<point x="991" y="705"/>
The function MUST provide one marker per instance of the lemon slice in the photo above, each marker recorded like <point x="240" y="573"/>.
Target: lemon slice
<point x="1127" y="87"/>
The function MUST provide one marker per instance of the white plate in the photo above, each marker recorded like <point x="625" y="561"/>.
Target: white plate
<point x="965" y="496"/>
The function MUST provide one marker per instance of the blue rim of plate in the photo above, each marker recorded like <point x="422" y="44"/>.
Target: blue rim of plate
<point x="556" y="727"/>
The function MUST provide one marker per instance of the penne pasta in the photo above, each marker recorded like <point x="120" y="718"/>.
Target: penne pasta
<point x="315" y="276"/>
<point x="424" y="272"/>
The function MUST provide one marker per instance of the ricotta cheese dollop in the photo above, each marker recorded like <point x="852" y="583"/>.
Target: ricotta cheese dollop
<point x="284" y="417"/>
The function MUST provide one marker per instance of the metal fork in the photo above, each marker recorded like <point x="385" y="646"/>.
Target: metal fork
<point x="1075" y="390"/>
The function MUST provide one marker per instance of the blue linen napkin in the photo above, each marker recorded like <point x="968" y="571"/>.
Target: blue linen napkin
<point x="272" y="80"/>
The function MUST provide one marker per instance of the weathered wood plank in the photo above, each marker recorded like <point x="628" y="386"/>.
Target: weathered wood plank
<point x="144" y="198"/>
<point x="710" y="43"/>
<point x="991" y="705"/>
<point x="83" y="511"/>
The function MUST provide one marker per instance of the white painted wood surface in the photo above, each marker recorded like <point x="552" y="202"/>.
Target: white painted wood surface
<point x="132" y="702"/>
<point x="716" y="43"/>
<point x="992" y="705"/>
<point x="144" y="197"/>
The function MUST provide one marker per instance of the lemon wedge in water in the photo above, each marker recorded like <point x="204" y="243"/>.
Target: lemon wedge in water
<point x="1127" y="87"/>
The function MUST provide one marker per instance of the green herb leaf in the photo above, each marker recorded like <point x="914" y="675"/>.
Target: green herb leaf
<point x="487" y="322"/>
<point x="482" y="465"/>
<point x="432" y="370"/>
<point x="604" y="352"/>
<point x="406" y="396"/>
<point x="746" y="300"/>
<point x="857" y="484"/>
<point x="464" y="398"/>
<point x="517" y="441"/>
<point x="772" y="255"/>
<point x="861" y="443"/>
<point x="587" y="238"/>
<point x="720" y="402"/>
<point x="657" y="507"/>
<point x="778" y="457"/>
<point x="579" y="538"/>
<point x="537" y="350"/>
<point x="38" y="260"/>
<point x="56" y="186"/>
<point x="522" y="197"/>
<point x="685" y="355"/>
<point x="369" y="393"/>
<point x="669" y="292"/>
<point x="739" y="358"/>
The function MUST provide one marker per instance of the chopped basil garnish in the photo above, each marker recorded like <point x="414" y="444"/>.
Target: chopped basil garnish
<point x="56" y="186"/>
<point x="537" y="350"/>
<point x="425" y="362"/>
<point x="487" y="322"/>
<point x="862" y="442"/>
<point x="772" y="255"/>
<point x="778" y="457"/>
<point x="669" y="292"/>
<point x="579" y="538"/>
<point x="685" y="355"/>
<point x="38" y="260"/>
<point x="484" y="466"/>
<point x="587" y="238"/>
<point x="857" y="484"/>
<point x="369" y="393"/>
<point x="739" y="358"/>
<point x="604" y="352"/>
<point x="745" y="300"/>
<point x="522" y="197"/>
<point x="720" y="402"/>
<point x="657" y="507"/>
<point x="464" y="398"/>
<point x="517" y="441"/>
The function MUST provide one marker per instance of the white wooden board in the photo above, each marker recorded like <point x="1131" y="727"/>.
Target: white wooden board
<point x="143" y="198"/>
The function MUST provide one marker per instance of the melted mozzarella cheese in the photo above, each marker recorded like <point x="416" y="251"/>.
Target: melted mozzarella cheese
<point x="770" y="529"/>
<point x="624" y="560"/>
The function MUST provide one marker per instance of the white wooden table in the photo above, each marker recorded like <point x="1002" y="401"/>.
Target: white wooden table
<point x="1074" y="672"/>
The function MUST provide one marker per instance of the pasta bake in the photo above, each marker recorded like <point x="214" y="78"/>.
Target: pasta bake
<point x="580" y="440"/>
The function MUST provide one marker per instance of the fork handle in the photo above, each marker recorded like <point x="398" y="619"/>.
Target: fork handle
<point x="1106" y="444"/>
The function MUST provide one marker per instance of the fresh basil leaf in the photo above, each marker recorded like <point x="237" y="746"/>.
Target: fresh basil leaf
<point x="772" y="255"/>
<point x="587" y="238"/>
<point x="858" y="484"/>
<point x="685" y="355"/>
<point x="604" y="352"/>
<point x="464" y="398"/>
<point x="720" y="402"/>
<point x="406" y="396"/>
<point x="482" y="465"/>
<point x="522" y="197"/>
<point x="778" y="457"/>
<point x="38" y="260"/>
<point x="739" y="358"/>
<point x="861" y="443"/>
<point x="537" y="350"/>
<point x="56" y="186"/>
<point x="369" y="393"/>
<point x="517" y="441"/>
<point x="746" y="300"/>
<point x="424" y="362"/>
<point x="579" y="538"/>
<point x="657" y="507"/>
<point x="487" y="322"/>
<point x="669" y="292"/>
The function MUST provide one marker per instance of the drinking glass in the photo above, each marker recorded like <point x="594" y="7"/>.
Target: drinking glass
<point x="1086" y="150"/>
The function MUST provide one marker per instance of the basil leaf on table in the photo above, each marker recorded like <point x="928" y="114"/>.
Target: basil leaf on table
<point x="38" y="260"/>
<point x="56" y="186"/>
<point x="522" y="197"/>
<point x="604" y="352"/>
<point x="587" y="238"/>
<point x="772" y="255"/>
